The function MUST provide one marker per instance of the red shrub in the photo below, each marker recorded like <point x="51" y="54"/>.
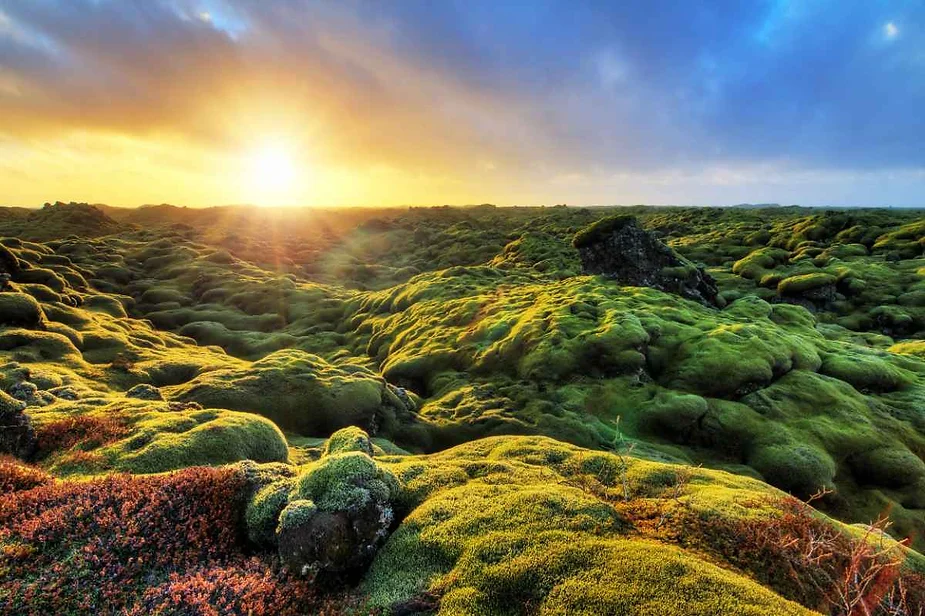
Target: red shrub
<point x="16" y="475"/>
<point x="142" y="545"/>
<point x="87" y="431"/>
<point x="806" y="559"/>
<point x="254" y="586"/>
<point x="94" y="545"/>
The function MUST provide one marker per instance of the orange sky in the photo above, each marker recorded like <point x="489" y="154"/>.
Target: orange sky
<point x="208" y="102"/>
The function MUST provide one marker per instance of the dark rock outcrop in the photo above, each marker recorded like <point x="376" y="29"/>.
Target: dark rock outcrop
<point x="17" y="437"/>
<point x="619" y="248"/>
<point x="814" y="292"/>
<point x="312" y="541"/>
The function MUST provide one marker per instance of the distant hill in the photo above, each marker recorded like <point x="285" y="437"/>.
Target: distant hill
<point x="59" y="219"/>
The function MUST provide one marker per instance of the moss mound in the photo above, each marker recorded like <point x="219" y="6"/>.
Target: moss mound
<point x="20" y="310"/>
<point x="302" y="393"/>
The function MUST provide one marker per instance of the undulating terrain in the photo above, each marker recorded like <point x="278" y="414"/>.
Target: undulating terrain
<point x="437" y="410"/>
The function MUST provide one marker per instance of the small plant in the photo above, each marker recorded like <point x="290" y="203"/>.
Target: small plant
<point x="623" y="451"/>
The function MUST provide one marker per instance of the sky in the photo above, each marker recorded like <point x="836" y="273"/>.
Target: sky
<point x="293" y="102"/>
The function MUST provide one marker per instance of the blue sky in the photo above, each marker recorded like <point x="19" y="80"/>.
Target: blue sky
<point x="811" y="102"/>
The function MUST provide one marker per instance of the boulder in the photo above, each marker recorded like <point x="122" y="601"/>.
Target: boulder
<point x="144" y="391"/>
<point x="17" y="437"/>
<point x="313" y="541"/>
<point x="340" y="509"/>
<point x="619" y="248"/>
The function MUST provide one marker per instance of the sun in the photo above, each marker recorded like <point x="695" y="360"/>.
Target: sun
<point x="272" y="171"/>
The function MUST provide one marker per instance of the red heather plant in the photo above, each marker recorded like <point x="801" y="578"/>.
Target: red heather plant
<point x="93" y="547"/>
<point x="253" y="586"/>
<point x="86" y="431"/>
<point x="811" y="561"/>
<point x="142" y="545"/>
<point x="16" y="476"/>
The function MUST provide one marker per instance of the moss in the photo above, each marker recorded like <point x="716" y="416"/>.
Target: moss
<point x="105" y="304"/>
<point x="514" y="531"/>
<point x="162" y="441"/>
<point x="39" y="346"/>
<point x="43" y="276"/>
<point x="600" y="230"/>
<point x="565" y="575"/>
<point x="20" y="310"/>
<point x="911" y="347"/>
<point x="889" y="467"/>
<point x="866" y="371"/>
<point x="800" y="469"/>
<point x="345" y="481"/>
<point x="757" y="263"/>
<point x="735" y="359"/>
<point x="349" y="439"/>
<point x="795" y="285"/>
<point x="264" y="510"/>
<point x="299" y="392"/>
<point x="296" y="513"/>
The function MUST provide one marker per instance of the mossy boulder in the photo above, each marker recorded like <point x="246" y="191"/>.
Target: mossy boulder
<point x="619" y="248"/>
<point x="814" y="290"/>
<point x="801" y="469"/>
<point x="144" y="391"/>
<point x="302" y="393"/>
<point x="889" y="467"/>
<point x="20" y="310"/>
<point x="340" y="511"/>
<point x="162" y="440"/>
<point x="349" y="439"/>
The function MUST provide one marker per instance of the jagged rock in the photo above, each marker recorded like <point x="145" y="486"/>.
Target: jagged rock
<point x="617" y="247"/>
<point x="313" y="541"/>
<point x="17" y="437"/>
<point x="144" y="391"/>
<point x="29" y="394"/>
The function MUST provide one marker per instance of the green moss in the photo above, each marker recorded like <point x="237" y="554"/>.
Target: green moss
<point x="349" y="439"/>
<point x="795" y="285"/>
<point x="889" y="467"/>
<point x="865" y="371"/>
<point x="264" y="510"/>
<point x="296" y="513"/>
<point x="600" y="230"/>
<point x="165" y="440"/>
<point x="345" y="481"/>
<point x="497" y="524"/>
<point x="299" y="392"/>
<point x="735" y="359"/>
<point x="757" y="263"/>
<point x="800" y="469"/>
<point x="20" y="310"/>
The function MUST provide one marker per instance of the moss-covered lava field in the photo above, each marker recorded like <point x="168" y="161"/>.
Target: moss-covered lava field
<point x="441" y="411"/>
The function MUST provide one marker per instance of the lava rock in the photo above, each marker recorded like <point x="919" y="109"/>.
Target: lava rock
<point x="144" y="391"/>
<point x="340" y="510"/>
<point x="17" y="437"/>
<point x="814" y="292"/>
<point x="619" y="248"/>
<point x="313" y="541"/>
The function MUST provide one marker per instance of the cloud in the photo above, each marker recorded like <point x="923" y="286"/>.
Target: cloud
<point x="470" y="93"/>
